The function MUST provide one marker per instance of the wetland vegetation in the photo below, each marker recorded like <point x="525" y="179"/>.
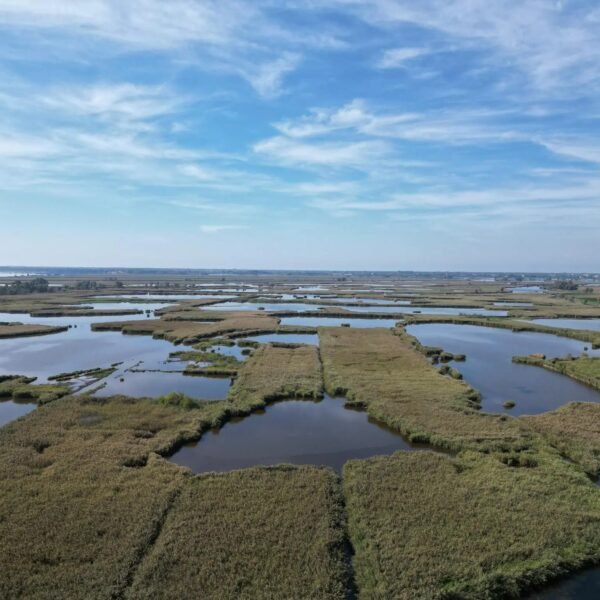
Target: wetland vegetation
<point x="207" y="448"/>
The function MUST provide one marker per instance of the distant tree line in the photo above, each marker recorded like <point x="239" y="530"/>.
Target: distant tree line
<point x="39" y="285"/>
<point x="566" y="284"/>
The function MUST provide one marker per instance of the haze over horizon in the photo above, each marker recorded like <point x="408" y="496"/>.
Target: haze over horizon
<point x="347" y="134"/>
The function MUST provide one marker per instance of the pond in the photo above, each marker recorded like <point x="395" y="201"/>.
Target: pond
<point x="234" y="351"/>
<point x="428" y="310"/>
<point x="527" y="289"/>
<point x="292" y="431"/>
<point x="81" y="323"/>
<point x="374" y="301"/>
<point x="152" y="384"/>
<point x="591" y="324"/>
<point x="286" y="338"/>
<point x="337" y="322"/>
<point x="77" y="349"/>
<point x="267" y="306"/>
<point x="165" y="297"/>
<point x="11" y="410"/>
<point x="489" y="367"/>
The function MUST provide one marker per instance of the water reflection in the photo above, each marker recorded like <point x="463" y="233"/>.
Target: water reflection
<point x="591" y="324"/>
<point x="293" y="431"/>
<point x="489" y="367"/>
<point x="11" y="410"/>
<point x="337" y="322"/>
<point x="154" y="384"/>
<point x="286" y="338"/>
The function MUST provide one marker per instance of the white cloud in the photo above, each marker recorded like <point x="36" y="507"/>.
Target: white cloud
<point x="267" y="78"/>
<point x="554" y="44"/>
<point x="450" y="126"/>
<point x="394" y="58"/>
<point x="332" y="154"/>
<point x="230" y="36"/>
<point x="116" y="101"/>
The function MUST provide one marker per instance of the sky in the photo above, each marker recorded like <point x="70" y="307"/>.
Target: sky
<point x="325" y="134"/>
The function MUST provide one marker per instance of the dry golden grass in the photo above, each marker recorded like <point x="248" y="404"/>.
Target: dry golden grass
<point x="426" y="527"/>
<point x="383" y="371"/>
<point x="261" y="533"/>
<point x="74" y="518"/>
<point x="192" y="331"/>
<point x="574" y="429"/>
<point x="21" y="330"/>
<point x="273" y="373"/>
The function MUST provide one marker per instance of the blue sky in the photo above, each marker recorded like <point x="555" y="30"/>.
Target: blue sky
<point x="344" y="134"/>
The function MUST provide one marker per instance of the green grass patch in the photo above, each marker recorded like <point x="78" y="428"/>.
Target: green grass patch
<point x="260" y="533"/>
<point x="427" y="527"/>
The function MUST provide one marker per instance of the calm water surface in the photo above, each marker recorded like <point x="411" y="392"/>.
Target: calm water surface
<point x="293" y="431"/>
<point x="77" y="349"/>
<point x="527" y="289"/>
<point x="286" y="338"/>
<point x="489" y="367"/>
<point x="234" y="351"/>
<point x="154" y="384"/>
<point x="337" y="322"/>
<point x="242" y="306"/>
<point x="82" y="323"/>
<point x="10" y="410"/>
<point x="592" y="324"/>
<point x="429" y="310"/>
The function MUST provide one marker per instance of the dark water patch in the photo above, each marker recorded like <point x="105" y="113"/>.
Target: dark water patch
<point x="153" y="384"/>
<point x="292" y="431"/>
<point x="338" y="322"/>
<point x="286" y="338"/>
<point x="583" y="586"/>
<point x="11" y="410"/>
<point x="489" y="367"/>
<point x="591" y="324"/>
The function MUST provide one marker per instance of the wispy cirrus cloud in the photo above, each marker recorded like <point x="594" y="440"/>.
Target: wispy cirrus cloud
<point x="394" y="58"/>
<point x="219" y="115"/>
